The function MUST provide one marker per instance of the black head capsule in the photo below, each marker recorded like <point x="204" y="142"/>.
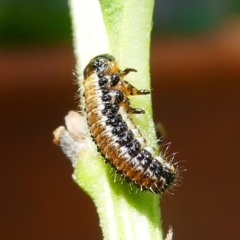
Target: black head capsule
<point x="98" y="64"/>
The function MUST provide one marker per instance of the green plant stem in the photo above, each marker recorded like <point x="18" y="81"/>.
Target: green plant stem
<point x="121" y="28"/>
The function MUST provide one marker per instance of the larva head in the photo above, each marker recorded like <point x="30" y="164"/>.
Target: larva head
<point x="99" y="64"/>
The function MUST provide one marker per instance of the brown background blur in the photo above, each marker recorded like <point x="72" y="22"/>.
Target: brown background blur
<point x="196" y="93"/>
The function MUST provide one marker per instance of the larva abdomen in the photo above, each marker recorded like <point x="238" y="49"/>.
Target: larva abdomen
<point x="113" y="130"/>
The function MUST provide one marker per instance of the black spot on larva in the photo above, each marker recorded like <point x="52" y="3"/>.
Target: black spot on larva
<point x="111" y="115"/>
<point x="158" y="169"/>
<point x="153" y="166"/>
<point x="106" y="98"/>
<point x="147" y="154"/>
<point x="114" y="79"/>
<point x="123" y="126"/>
<point x="125" y="137"/>
<point x="114" y="108"/>
<point x="133" y="162"/>
<point x="146" y="175"/>
<point x="102" y="81"/>
<point x="117" y="117"/>
<point x="105" y="91"/>
<point x="169" y="177"/>
<point x="120" y="128"/>
<point x="140" y="155"/>
<point x="134" y="147"/>
<point x="100" y="75"/>
<point x="110" y="108"/>
<point x="145" y="162"/>
<point x="104" y="111"/>
<point x="114" y="120"/>
<point x="119" y="97"/>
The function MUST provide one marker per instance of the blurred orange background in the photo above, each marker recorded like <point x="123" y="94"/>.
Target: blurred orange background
<point x="196" y="96"/>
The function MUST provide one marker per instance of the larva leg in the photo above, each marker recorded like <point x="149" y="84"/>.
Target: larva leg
<point x="129" y="89"/>
<point x="135" y="110"/>
<point x="135" y="91"/>
<point x="126" y="71"/>
<point x="130" y="109"/>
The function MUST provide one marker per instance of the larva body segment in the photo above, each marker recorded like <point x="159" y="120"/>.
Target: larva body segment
<point x="113" y="130"/>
